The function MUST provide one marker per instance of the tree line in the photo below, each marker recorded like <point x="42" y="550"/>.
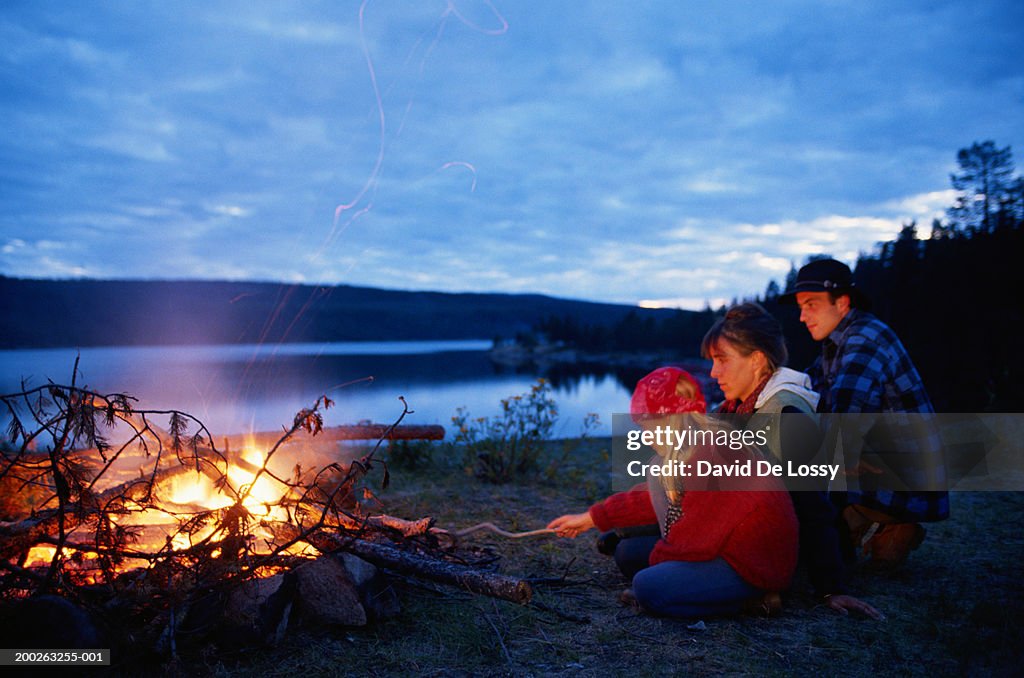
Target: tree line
<point x="953" y="297"/>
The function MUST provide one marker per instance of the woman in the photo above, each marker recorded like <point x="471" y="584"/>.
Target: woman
<point x="715" y="551"/>
<point x="747" y="350"/>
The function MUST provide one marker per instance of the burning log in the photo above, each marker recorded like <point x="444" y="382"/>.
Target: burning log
<point x="17" y="537"/>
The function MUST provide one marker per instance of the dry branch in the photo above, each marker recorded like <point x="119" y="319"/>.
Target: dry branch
<point x="407" y="528"/>
<point x="16" y="537"/>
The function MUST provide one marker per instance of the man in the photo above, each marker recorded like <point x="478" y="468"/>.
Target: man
<point x="864" y="368"/>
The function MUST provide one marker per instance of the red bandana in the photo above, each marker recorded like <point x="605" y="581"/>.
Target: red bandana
<point x="656" y="394"/>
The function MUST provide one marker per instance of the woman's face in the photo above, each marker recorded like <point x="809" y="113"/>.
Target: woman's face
<point x="736" y="374"/>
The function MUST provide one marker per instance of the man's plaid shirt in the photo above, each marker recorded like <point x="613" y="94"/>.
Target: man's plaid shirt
<point x="864" y="368"/>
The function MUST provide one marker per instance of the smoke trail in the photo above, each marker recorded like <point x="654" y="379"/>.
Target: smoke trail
<point x="348" y="212"/>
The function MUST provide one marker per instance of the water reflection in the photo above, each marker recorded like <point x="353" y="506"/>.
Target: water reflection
<point x="241" y="388"/>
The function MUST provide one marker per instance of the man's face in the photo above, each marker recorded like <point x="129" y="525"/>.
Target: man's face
<point x="820" y="313"/>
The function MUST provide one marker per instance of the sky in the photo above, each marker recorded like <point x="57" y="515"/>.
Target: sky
<point x="663" y="153"/>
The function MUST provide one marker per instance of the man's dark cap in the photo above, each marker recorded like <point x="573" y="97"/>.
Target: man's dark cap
<point x="826" y="275"/>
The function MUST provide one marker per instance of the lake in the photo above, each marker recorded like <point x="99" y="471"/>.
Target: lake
<point x="242" y="388"/>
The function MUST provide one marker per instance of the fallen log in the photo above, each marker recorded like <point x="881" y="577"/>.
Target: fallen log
<point x="385" y="431"/>
<point x="452" y="574"/>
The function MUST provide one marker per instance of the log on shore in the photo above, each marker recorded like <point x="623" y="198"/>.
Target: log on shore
<point x="385" y="431"/>
<point x="339" y="433"/>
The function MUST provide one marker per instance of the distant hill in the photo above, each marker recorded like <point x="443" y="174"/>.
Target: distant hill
<point x="60" y="313"/>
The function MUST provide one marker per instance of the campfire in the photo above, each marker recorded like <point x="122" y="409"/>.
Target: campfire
<point x="166" y="536"/>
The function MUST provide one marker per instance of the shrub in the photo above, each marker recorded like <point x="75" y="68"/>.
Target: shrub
<point x="560" y="465"/>
<point x="498" y="448"/>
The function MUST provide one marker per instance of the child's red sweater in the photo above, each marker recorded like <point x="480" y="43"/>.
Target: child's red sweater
<point x="754" y="530"/>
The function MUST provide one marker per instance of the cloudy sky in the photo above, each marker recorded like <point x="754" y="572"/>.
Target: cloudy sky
<point x="672" y="151"/>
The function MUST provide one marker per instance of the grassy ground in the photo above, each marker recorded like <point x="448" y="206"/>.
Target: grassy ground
<point x="954" y="609"/>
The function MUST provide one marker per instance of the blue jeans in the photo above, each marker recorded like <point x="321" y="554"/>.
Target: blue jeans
<point x="678" y="588"/>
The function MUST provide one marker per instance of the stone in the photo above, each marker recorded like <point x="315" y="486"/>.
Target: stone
<point x="327" y="592"/>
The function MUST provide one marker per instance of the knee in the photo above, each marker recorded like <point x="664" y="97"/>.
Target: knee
<point x="649" y="588"/>
<point x="633" y="554"/>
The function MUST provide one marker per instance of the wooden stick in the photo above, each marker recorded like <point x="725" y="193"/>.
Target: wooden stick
<point x="504" y="533"/>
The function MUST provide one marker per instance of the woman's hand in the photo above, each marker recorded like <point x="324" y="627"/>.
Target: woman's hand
<point x="843" y="604"/>
<point x="572" y="524"/>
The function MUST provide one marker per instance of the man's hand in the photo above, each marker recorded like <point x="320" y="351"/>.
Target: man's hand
<point x="572" y="524"/>
<point x="843" y="604"/>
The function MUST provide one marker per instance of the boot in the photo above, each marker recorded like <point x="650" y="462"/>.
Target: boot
<point x="891" y="544"/>
<point x="766" y="605"/>
<point x="607" y="542"/>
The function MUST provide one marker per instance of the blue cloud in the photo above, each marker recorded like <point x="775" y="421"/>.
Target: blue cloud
<point x="595" y="150"/>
